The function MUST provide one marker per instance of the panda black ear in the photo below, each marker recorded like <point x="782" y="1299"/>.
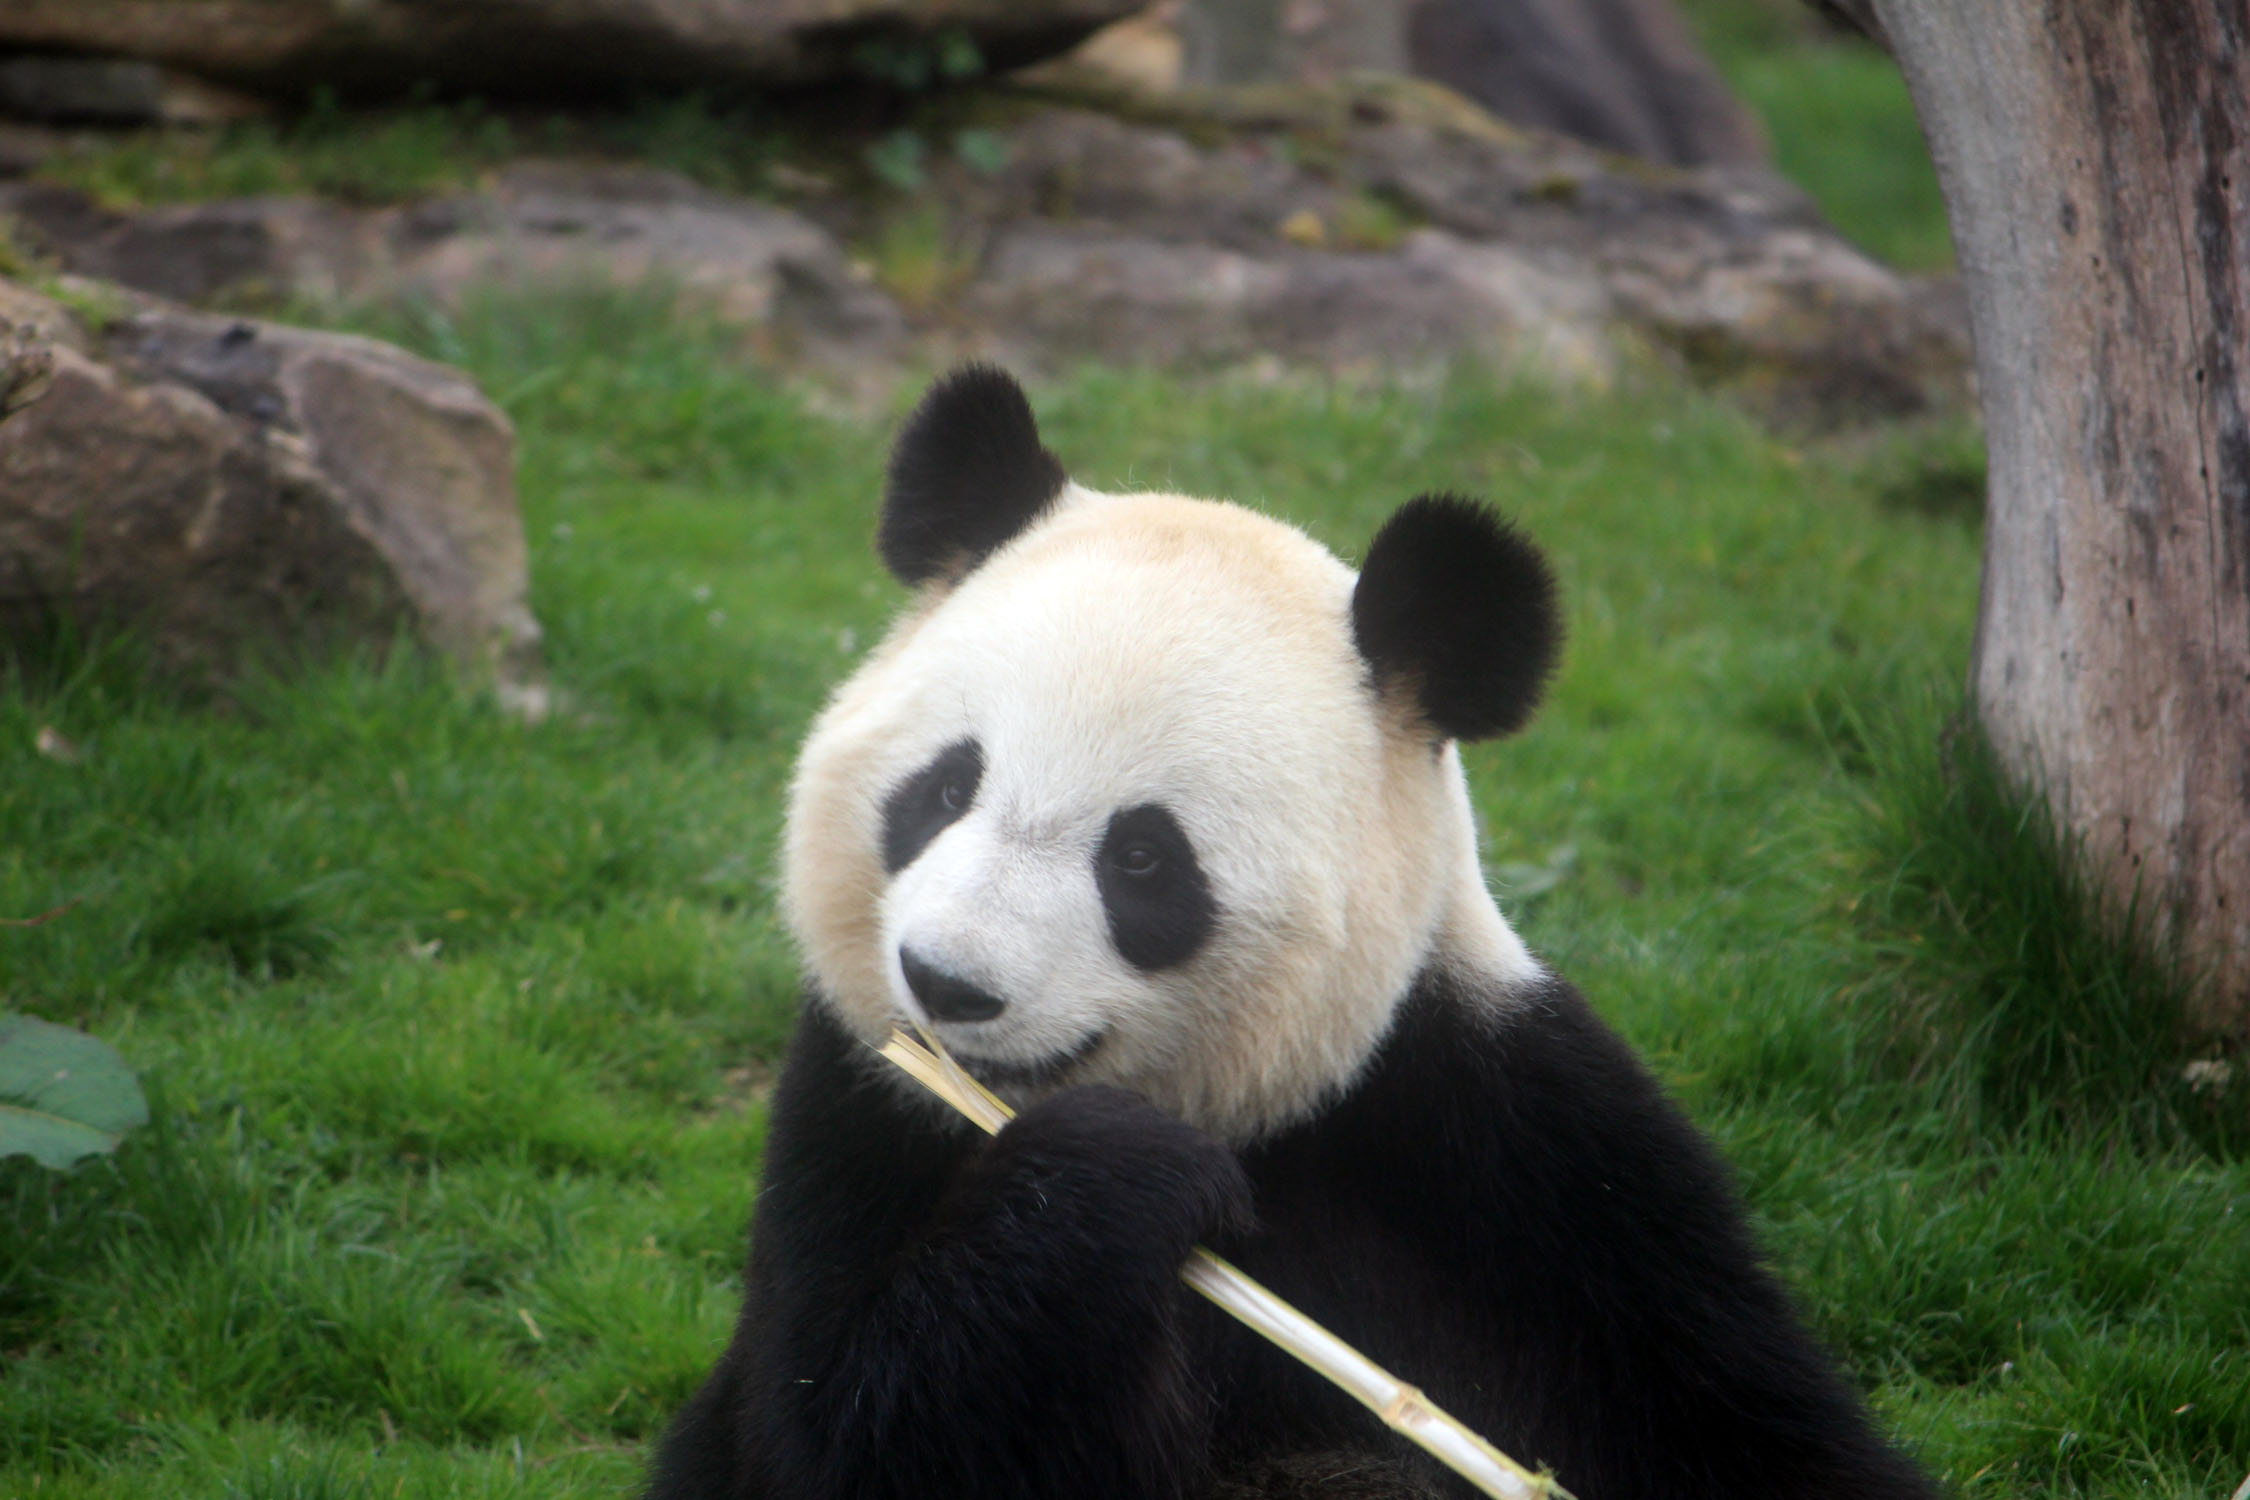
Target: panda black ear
<point x="967" y="474"/>
<point x="1458" y="608"/>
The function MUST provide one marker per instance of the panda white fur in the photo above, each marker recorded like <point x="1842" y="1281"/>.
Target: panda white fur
<point x="1153" y="810"/>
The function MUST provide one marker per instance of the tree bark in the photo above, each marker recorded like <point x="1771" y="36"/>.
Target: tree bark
<point x="2095" y="159"/>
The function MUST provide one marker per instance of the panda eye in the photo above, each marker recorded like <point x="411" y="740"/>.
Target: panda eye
<point x="928" y="802"/>
<point x="1138" y="860"/>
<point x="1153" y="892"/>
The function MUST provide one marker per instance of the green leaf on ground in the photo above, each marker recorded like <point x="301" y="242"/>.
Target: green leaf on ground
<point x="64" y="1095"/>
<point x="1523" y="883"/>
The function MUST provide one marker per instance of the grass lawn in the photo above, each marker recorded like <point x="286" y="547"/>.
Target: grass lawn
<point x="459" y="1029"/>
<point x="1841" y="124"/>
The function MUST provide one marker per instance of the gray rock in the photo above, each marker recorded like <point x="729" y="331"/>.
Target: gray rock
<point x="1051" y="294"/>
<point x="1621" y="74"/>
<point x="113" y="91"/>
<point x="190" y="252"/>
<point x="1266" y="41"/>
<point x="1374" y="224"/>
<point x="1113" y="238"/>
<point x="750" y="264"/>
<point x="1625" y="75"/>
<point x="27" y="366"/>
<point x="25" y="148"/>
<point x="243" y="491"/>
<point x="539" y="225"/>
<point x="558" y="50"/>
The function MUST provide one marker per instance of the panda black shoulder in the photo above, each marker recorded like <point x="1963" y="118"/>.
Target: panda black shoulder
<point x="1565" y="1207"/>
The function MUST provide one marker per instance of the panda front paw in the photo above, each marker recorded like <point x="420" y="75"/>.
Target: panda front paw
<point x="1139" y="1170"/>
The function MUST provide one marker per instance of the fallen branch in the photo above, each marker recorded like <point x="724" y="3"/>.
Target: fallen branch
<point x="43" y="918"/>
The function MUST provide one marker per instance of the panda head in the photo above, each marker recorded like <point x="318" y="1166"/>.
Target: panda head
<point x="1153" y="791"/>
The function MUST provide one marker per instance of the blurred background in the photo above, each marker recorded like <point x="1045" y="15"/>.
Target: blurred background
<point x="438" y="454"/>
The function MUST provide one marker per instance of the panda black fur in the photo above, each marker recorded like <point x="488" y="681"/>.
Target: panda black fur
<point x="1153" y="810"/>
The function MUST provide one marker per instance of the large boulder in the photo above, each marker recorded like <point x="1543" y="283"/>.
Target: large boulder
<point x="242" y="492"/>
<point x="558" y="50"/>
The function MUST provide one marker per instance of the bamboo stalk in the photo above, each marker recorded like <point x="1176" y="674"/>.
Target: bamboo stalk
<point x="1402" y="1407"/>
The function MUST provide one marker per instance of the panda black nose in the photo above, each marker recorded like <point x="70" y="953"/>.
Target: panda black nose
<point x="944" y="997"/>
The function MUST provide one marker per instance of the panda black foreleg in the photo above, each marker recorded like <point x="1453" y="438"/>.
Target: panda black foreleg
<point x="1028" y="1339"/>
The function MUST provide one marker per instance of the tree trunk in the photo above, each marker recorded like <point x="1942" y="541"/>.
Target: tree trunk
<point x="2095" y="157"/>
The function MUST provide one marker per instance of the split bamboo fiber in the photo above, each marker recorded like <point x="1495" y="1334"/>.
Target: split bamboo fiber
<point x="1403" y="1408"/>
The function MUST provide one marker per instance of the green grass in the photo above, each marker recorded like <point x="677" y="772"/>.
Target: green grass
<point x="457" y="1027"/>
<point x="1995" y="984"/>
<point x="1841" y="123"/>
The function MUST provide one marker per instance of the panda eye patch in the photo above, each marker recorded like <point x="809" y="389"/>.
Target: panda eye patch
<point x="1153" y="892"/>
<point x="926" y="803"/>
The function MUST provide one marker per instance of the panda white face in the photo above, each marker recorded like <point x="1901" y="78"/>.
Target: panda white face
<point x="1151" y="791"/>
<point x="1126" y="805"/>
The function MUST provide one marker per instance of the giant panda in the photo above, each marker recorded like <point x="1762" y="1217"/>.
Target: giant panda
<point x="1152" y="810"/>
